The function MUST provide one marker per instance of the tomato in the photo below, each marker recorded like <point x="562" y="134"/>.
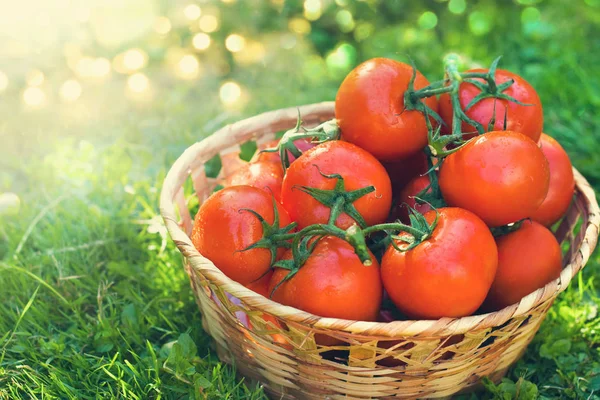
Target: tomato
<point x="501" y="176"/>
<point x="407" y="199"/>
<point x="527" y="119"/>
<point x="449" y="273"/>
<point x="261" y="285"/>
<point x="302" y="145"/>
<point x="359" y="170"/>
<point x="528" y="259"/>
<point x="332" y="283"/>
<point x="404" y="170"/>
<point x="222" y="230"/>
<point x="369" y="107"/>
<point x="261" y="174"/>
<point x="562" y="183"/>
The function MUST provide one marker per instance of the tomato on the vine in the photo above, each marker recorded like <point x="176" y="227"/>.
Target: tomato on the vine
<point x="528" y="259"/>
<point x="224" y="227"/>
<point x="449" y="273"/>
<point x="501" y="176"/>
<point x="263" y="175"/>
<point x="333" y="282"/>
<point x="562" y="183"/>
<point x="406" y="200"/>
<point x="359" y="170"/>
<point x="402" y="171"/>
<point x="527" y="119"/>
<point x="369" y="107"/>
<point x="260" y="155"/>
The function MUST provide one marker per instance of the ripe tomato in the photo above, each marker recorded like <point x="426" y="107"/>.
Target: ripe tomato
<point x="222" y="230"/>
<point x="263" y="175"/>
<point x="562" y="183"/>
<point x="404" y="170"/>
<point x="501" y="176"/>
<point x="447" y="275"/>
<point x="261" y="285"/>
<point x="369" y="107"/>
<point x="527" y="119"/>
<point x="407" y="199"/>
<point x="302" y="145"/>
<point x="528" y="259"/>
<point x="332" y="283"/>
<point x="359" y="170"/>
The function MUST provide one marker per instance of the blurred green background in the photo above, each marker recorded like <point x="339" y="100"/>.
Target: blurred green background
<point x="99" y="97"/>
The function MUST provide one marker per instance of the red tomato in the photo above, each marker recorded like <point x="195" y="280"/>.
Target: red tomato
<point x="369" y="107"/>
<point x="447" y="275"/>
<point x="302" y="145"/>
<point x="407" y="199"/>
<point x="528" y="120"/>
<point x="562" y="183"/>
<point x="332" y="283"/>
<point x="404" y="170"/>
<point x="528" y="259"/>
<point x="261" y="285"/>
<point x="263" y="175"/>
<point x="501" y="176"/>
<point x="358" y="168"/>
<point x="222" y="231"/>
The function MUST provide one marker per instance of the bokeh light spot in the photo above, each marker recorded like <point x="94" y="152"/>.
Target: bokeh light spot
<point x="188" y="67"/>
<point x="138" y="82"/>
<point x="34" y="96"/>
<point x="230" y="92"/>
<point x="70" y="90"/>
<point x="299" y="25"/>
<point x="162" y="25"/>
<point x="345" y="20"/>
<point x="341" y="59"/>
<point x="480" y="23"/>
<point x="192" y="12"/>
<point x="427" y="20"/>
<point x="201" y="41"/>
<point x="100" y="67"/>
<point x="530" y="15"/>
<point x="457" y="6"/>
<point x="209" y="23"/>
<point x="135" y="59"/>
<point x="235" y="43"/>
<point x="313" y="9"/>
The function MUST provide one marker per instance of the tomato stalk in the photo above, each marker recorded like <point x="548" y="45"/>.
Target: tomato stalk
<point x="338" y="200"/>
<point x="451" y="84"/>
<point x="274" y="237"/>
<point x="327" y="131"/>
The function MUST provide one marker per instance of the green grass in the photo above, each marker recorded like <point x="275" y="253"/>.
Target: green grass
<point x="95" y="301"/>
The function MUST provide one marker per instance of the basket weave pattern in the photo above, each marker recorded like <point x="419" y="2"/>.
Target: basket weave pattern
<point x="276" y="345"/>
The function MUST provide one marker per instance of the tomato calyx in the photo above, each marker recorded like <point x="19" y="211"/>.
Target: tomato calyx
<point x="273" y="237"/>
<point x="338" y="200"/>
<point x="305" y="241"/>
<point x="506" y="229"/>
<point x="416" y="233"/>
<point x="325" y="132"/>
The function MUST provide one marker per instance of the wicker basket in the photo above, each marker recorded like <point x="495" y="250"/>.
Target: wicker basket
<point x="275" y="344"/>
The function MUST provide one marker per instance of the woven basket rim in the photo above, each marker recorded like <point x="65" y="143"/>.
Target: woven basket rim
<point x="402" y="328"/>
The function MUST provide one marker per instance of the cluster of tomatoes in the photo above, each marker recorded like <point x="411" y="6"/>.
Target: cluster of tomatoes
<point x="419" y="200"/>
